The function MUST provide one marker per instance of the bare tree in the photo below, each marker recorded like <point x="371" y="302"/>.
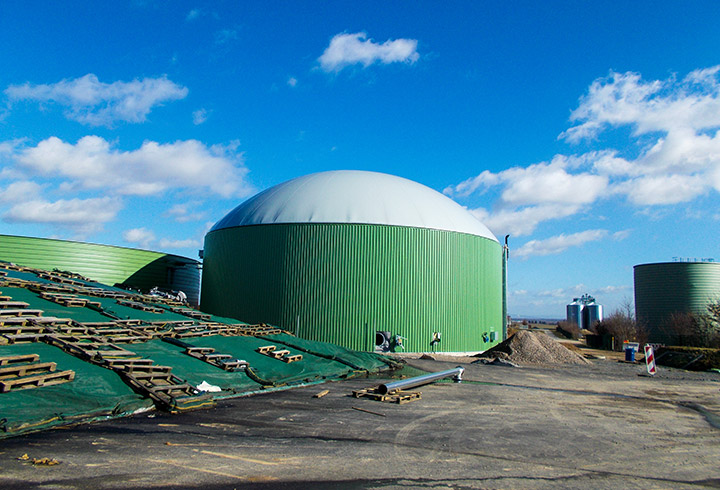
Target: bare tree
<point x="621" y="324"/>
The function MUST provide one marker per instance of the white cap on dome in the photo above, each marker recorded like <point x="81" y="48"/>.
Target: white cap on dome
<point x="355" y="196"/>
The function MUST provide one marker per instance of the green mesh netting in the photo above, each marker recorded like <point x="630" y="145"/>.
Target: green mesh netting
<point x="193" y="370"/>
<point x="95" y="393"/>
<point x="357" y="360"/>
<point x="270" y="371"/>
<point x="27" y="276"/>
<point x="79" y="314"/>
<point x="110" y="305"/>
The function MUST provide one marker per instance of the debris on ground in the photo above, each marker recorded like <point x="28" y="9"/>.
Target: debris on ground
<point x="527" y="347"/>
<point x="368" y="411"/>
<point x="427" y="357"/>
<point x="321" y="394"/>
<point x="39" y="461"/>
<point x="496" y="362"/>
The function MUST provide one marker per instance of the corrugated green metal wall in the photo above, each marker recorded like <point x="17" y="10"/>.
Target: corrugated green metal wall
<point x="342" y="282"/>
<point x="673" y="287"/>
<point x="106" y="264"/>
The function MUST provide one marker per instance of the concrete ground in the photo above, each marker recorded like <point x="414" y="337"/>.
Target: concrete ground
<point x="600" y="426"/>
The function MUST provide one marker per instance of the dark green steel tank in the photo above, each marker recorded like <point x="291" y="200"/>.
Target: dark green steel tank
<point x="663" y="289"/>
<point x="140" y="269"/>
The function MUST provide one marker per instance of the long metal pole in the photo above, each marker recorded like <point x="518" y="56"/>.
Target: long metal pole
<point x="422" y="380"/>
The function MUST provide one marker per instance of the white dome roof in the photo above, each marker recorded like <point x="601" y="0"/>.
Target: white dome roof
<point x="354" y="196"/>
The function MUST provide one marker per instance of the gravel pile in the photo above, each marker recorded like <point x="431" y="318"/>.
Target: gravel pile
<point x="527" y="347"/>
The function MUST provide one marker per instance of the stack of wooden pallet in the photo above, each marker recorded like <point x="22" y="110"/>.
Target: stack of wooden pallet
<point x="24" y="371"/>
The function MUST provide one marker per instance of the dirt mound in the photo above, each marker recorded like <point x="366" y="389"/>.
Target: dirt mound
<point x="527" y="347"/>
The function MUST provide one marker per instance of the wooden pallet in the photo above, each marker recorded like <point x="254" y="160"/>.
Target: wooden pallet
<point x="281" y="355"/>
<point x="25" y="358"/>
<point x="129" y="323"/>
<point x="167" y="390"/>
<point x="36" y="381"/>
<point x="88" y="348"/>
<point x="124" y="364"/>
<point x="24" y="372"/>
<point x="70" y="300"/>
<point x="19" y="312"/>
<point x="223" y="361"/>
<point x="198" y="315"/>
<point x="40" y="287"/>
<point x="172" y="323"/>
<point x="28" y="332"/>
<point x="139" y="306"/>
<point x="396" y="396"/>
<point x="19" y="370"/>
<point x="59" y="278"/>
<point x="278" y="354"/>
<point x="14" y="267"/>
<point x="7" y="304"/>
<point x="14" y="282"/>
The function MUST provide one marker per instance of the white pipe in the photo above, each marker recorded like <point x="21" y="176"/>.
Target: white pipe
<point x="422" y="380"/>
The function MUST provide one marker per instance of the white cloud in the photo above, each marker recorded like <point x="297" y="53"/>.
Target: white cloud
<point x="144" y="238"/>
<point x="199" y="116"/>
<point x="93" y="163"/>
<point x="182" y="213"/>
<point x="92" y="102"/>
<point x="672" y="156"/>
<point x="83" y="215"/>
<point x="658" y="105"/>
<point x="558" y="244"/>
<point x="522" y="221"/>
<point x="663" y="189"/>
<point x="166" y="243"/>
<point x="534" y="194"/>
<point x="681" y="119"/>
<point x="20" y="191"/>
<point x="349" y="49"/>
<point x="139" y="236"/>
<point x="621" y="235"/>
<point x="225" y="36"/>
<point x="292" y="81"/>
<point x="193" y="14"/>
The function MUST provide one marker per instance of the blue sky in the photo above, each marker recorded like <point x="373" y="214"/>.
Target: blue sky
<point x="588" y="131"/>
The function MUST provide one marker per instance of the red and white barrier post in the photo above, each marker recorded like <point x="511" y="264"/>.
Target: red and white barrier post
<point x="650" y="360"/>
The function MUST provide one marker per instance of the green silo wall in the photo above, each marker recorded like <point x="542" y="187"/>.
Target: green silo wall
<point x="106" y="264"/>
<point x="673" y="287"/>
<point x="341" y="283"/>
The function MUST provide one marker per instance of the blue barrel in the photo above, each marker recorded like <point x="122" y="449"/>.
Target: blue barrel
<point x="630" y="354"/>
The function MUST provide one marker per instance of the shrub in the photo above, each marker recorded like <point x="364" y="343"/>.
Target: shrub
<point x="569" y="330"/>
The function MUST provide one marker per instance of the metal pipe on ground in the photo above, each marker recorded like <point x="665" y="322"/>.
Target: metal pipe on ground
<point x="424" y="379"/>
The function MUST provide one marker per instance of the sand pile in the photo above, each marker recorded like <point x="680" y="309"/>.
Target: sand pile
<point x="527" y="347"/>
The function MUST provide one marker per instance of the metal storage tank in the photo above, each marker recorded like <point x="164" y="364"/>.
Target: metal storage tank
<point x="592" y="314"/>
<point x="141" y="269"/>
<point x="340" y="256"/>
<point x="662" y="289"/>
<point x="574" y="313"/>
